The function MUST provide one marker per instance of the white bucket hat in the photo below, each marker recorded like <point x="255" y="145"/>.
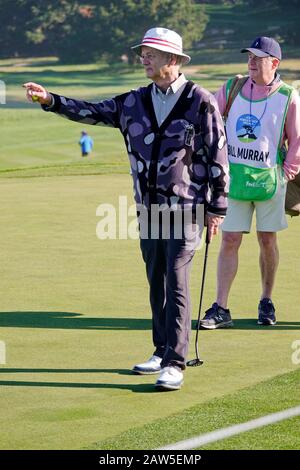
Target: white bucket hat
<point x="164" y="40"/>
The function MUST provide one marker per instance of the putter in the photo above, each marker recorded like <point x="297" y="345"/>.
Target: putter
<point x="197" y="361"/>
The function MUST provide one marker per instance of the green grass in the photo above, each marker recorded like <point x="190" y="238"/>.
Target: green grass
<point x="75" y="318"/>
<point x="36" y="143"/>
<point x="252" y="402"/>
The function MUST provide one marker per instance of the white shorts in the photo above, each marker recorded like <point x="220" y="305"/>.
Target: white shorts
<point x="270" y="214"/>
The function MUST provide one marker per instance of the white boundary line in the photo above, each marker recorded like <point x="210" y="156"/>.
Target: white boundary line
<point x="198" y="441"/>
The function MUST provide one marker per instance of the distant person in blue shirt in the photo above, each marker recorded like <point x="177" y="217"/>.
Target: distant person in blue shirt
<point x="86" y="143"/>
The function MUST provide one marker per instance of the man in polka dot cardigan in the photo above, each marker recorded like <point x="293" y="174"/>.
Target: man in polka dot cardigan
<point x="177" y="149"/>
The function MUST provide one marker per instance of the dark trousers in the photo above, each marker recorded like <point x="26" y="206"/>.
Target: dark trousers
<point x="168" y="263"/>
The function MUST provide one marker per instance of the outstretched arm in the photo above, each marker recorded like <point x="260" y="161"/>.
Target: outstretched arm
<point x="106" y="112"/>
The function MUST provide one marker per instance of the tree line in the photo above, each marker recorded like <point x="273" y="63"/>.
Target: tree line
<point x="90" y="30"/>
<point x="79" y="31"/>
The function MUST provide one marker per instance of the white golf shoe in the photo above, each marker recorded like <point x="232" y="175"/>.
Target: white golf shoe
<point x="152" y="366"/>
<point x="170" y="379"/>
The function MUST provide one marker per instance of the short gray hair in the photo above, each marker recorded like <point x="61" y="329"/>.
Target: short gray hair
<point x="179" y="59"/>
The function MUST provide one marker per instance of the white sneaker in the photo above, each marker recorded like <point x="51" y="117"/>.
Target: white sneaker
<point x="170" y="379"/>
<point x="152" y="366"/>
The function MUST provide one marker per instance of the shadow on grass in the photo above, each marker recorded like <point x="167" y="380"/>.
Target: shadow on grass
<point x="251" y="324"/>
<point x="68" y="320"/>
<point x="136" y="388"/>
<point x="25" y="370"/>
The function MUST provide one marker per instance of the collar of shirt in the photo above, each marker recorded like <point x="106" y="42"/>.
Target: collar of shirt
<point x="275" y="80"/>
<point x="261" y="91"/>
<point x="173" y="88"/>
<point x="163" y="103"/>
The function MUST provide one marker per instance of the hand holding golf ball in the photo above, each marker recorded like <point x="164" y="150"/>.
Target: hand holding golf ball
<point x="37" y="93"/>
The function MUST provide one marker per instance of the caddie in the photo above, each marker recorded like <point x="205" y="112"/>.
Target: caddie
<point x="263" y="133"/>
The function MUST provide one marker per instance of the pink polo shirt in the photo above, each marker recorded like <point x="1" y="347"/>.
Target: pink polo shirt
<point x="291" y="132"/>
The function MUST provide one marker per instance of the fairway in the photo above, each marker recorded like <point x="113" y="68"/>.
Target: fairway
<point x="74" y="313"/>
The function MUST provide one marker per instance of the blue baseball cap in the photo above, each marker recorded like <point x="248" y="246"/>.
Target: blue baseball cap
<point x="264" y="47"/>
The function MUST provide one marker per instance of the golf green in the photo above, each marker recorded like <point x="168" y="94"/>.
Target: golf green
<point x="75" y="318"/>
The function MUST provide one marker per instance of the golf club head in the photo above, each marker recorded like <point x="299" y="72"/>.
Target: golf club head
<point x="194" y="362"/>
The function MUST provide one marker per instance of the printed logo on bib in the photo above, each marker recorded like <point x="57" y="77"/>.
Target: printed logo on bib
<point x="248" y="128"/>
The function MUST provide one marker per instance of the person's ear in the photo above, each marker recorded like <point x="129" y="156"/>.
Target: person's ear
<point x="173" y="60"/>
<point x="275" y="63"/>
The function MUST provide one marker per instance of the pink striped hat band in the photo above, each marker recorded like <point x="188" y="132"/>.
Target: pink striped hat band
<point x="164" y="40"/>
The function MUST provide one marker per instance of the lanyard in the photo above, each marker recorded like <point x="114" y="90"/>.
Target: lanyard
<point x="253" y="126"/>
